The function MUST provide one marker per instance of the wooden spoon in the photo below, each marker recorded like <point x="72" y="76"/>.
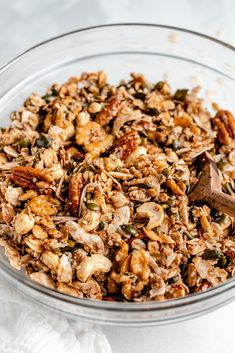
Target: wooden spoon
<point x="209" y="188"/>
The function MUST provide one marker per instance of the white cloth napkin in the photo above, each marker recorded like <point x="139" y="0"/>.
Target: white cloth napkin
<point x="26" y="327"/>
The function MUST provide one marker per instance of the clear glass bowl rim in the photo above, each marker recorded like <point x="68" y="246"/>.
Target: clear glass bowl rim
<point x="14" y="276"/>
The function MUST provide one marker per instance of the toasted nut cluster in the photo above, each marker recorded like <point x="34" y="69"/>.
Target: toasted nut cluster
<point x="28" y="177"/>
<point x="94" y="190"/>
<point x="225" y="123"/>
<point x="110" y="111"/>
<point x="75" y="188"/>
<point x="126" y="144"/>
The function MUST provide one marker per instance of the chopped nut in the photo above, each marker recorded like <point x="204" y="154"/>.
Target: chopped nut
<point x="82" y="119"/>
<point x="27" y="177"/>
<point x="94" y="138"/>
<point x="24" y="222"/>
<point x="93" y="264"/>
<point x="94" y="108"/>
<point x="12" y="195"/>
<point x="126" y="145"/>
<point x="41" y="206"/>
<point x="225" y="123"/>
<point x="29" y="194"/>
<point x="55" y="171"/>
<point x="153" y="211"/>
<point x="109" y="111"/>
<point x="50" y="260"/>
<point x="75" y="189"/>
<point x="139" y="264"/>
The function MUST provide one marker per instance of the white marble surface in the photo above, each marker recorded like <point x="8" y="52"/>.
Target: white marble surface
<point x="24" y="23"/>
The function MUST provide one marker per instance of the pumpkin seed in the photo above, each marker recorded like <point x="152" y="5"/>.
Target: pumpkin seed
<point x="172" y="280"/>
<point x="92" y="206"/>
<point x="221" y="165"/>
<point x="189" y="188"/>
<point x="48" y="97"/>
<point x="180" y="95"/>
<point x="144" y="186"/>
<point x="184" y="269"/>
<point x="159" y="85"/>
<point x="166" y="172"/>
<point x="89" y="196"/>
<point x="43" y="141"/>
<point x="86" y="169"/>
<point x="139" y="95"/>
<point x="152" y="111"/>
<point x="175" y="215"/>
<point x="71" y="243"/>
<point x="223" y="261"/>
<point x="189" y="235"/>
<point x="23" y="143"/>
<point x="211" y="254"/>
<point x="70" y="249"/>
<point x="128" y="229"/>
<point x="220" y="219"/>
<point x="168" y="211"/>
<point x="170" y="202"/>
<point x="101" y="225"/>
<point x="228" y="188"/>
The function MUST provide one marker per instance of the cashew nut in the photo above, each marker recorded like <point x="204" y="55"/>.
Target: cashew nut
<point x="91" y="264"/>
<point x="153" y="211"/>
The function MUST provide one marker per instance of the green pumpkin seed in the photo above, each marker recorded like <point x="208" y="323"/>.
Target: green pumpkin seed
<point x="166" y="172"/>
<point x="168" y="211"/>
<point x="128" y="229"/>
<point x="152" y="111"/>
<point x="180" y="95"/>
<point x="139" y="95"/>
<point x="211" y="254"/>
<point x="220" y="219"/>
<point x="175" y="215"/>
<point x="184" y="269"/>
<point x="89" y="196"/>
<point x="228" y="189"/>
<point x="92" y="206"/>
<point x="189" y="188"/>
<point x="71" y="247"/>
<point x="101" y="226"/>
<point x="48" y="97"/>
<point x="159" y="86"/>
<point x="23" y="143"/>
<point x="43" y="141"/>
<point x="71" y="243"/>
<point x="144" y="186"/>
<point x="223" y="261"/>
<point x="86" y="169"/>
<point x="221" y="165"/>
<point x="170" y="202"/>
<point x="189" y="235"/>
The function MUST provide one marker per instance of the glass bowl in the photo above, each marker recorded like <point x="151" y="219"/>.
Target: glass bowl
<point x="182" y="57"/>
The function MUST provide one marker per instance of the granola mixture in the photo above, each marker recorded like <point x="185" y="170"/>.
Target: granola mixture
<point x="94" y="186"/>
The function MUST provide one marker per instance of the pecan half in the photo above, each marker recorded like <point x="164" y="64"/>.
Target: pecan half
<point x="225" y="123"/>
<point x="110" y="110"/>
<point x="125" y="145"/>
<point x="27" y="177"/>
<point x="75" y="188"/>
